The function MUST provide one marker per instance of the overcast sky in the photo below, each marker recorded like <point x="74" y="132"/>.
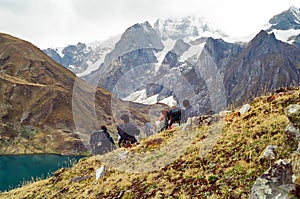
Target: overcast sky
<point x="53" y="23"/>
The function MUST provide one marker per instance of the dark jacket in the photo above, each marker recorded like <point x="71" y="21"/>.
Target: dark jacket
<point x="175" y="116"/>
<point x="108" y="136"/>
<point x="127" y="133"/>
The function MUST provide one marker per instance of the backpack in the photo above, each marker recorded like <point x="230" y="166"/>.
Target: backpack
<point x="125" y="140"/>
<point x="100" y="144"/>
<point x="175" y="116"/>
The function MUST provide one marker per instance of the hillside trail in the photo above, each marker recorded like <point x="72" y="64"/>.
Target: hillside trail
<point x="129" y="161"/>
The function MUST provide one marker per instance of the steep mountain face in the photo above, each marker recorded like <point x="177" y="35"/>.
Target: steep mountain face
<point x="297" y="41"/>
<point x="289" y="19"/>
<point x="165" y="67"/>
<point x="35" y="99"/>
<point x="216" y="56"/>
<point x="44" y="108"/>
<point x="264" y="65"/>
<point x="187" y="58"/>
<point x="134" y="52"/>
<point x="286" y="25"/>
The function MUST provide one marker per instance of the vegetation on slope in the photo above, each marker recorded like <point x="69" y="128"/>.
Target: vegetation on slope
<point x="213" y="165"/>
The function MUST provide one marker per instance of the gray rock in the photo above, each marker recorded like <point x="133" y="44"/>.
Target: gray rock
<point x="296" y="167"/>
<point x="189" y="125"/>
<point x="293" y="113"/>
<point x="245" y="108"/>
<point x="122" y="155"/>
<point x="276" y="182"/>
<point x="269" y="152"/>
<point x="80" y="178"/>
<point x="292" y="136"/>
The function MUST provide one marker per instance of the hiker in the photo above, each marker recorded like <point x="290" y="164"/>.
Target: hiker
<point x="164" y="119"/>
<point x="101" y="142"/>
<point x="128" y="132"/>
<point x="188" y="111"/>
<point x="175" y="116"/>
<point x="105" y="131"/>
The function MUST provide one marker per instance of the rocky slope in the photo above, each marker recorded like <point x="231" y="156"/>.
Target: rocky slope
<point x="222" y="160"/>
<point x="264" y="65"/>
<point x="46" y="109"/>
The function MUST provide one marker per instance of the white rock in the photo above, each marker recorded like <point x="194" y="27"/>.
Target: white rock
<point x="100" y="172"/>
<point x="244" y="109"/>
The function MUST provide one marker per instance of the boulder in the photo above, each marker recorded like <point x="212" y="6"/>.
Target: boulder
<point x="245" y="108"/>
<point x="206" y="120"/>
<point x="188" y="125"/>
<point x="293" y="113"/>
<point x="296" y="166"/>
<point x="276" y="182"/>
<point x="269" y="153"/>
<point x="292" y="136"/>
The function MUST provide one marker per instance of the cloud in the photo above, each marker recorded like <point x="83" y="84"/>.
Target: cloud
<point x="50" y="23"/>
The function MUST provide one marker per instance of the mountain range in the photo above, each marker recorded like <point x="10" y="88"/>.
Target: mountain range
<point x="184" y="58"/>
<point x="45" y="108"/>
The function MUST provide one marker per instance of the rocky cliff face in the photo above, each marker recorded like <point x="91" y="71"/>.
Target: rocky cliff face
<point x="289" y="19"/>
<point x="133" y="55"/>
<point x="264" y="65"/>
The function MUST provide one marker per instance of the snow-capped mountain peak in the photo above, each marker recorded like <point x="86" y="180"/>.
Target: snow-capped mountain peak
<point x="286" y="25"/>
<point x="186" y="27"/>
<point x="296" y="12"/>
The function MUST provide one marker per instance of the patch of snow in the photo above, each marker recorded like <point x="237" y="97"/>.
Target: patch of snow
<point x="59" y="51"/>
<point x="169" y="45"/>
<point x="150" y="100"/>
<point x="170" y="101"/>
<point x="187" y="27"/>
<point x="136" y="96"/>
<point x="193" y="50"/>
<point x="284" y="35"/>
<point x="141" y="97"/>
<point x="91" y="67"/>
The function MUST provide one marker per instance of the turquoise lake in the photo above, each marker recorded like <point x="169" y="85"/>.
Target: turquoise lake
<point x="15" y="169"/>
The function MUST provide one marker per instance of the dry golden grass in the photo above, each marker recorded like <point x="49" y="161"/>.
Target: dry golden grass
<point x="212" y="165"/>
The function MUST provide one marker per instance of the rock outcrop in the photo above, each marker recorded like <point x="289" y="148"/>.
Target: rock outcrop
<point x="282" y="180"/>
<point x="275" y="183"/>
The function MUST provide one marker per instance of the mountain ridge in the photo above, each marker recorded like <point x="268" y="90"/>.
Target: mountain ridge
<point x="45" y="108"/>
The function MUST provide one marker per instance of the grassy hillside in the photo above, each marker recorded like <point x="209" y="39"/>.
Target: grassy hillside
<point x="219" y="161"/>
<point x="43" y="106"/>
